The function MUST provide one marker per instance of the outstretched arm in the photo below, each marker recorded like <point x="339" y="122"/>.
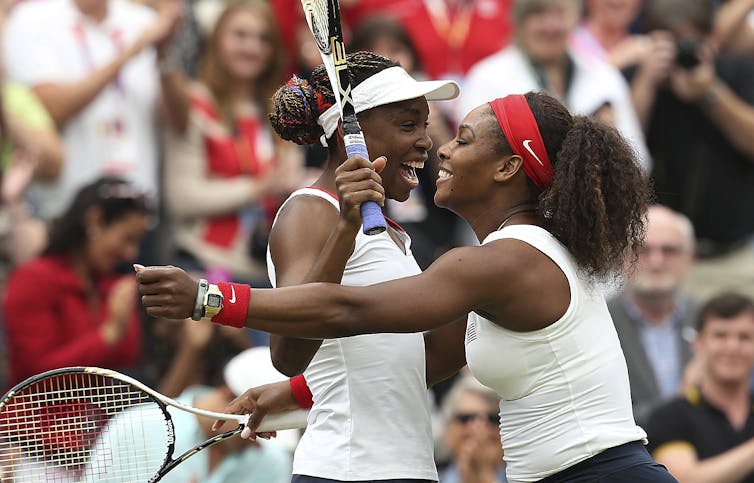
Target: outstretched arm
<point x="461" y="280"/>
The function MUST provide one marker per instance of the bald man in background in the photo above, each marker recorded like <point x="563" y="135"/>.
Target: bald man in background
<point x="653" y="317"/>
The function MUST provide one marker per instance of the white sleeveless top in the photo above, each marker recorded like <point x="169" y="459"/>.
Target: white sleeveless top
<point x="370" y="419"/>
<point x="564" y="389"/>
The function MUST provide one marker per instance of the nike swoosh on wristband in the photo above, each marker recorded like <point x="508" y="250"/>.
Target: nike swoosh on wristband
<point x="528" y="148"/>
<point x="232" y="298"/>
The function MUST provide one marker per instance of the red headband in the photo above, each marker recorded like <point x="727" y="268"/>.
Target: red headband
<point x="521" y="130"/>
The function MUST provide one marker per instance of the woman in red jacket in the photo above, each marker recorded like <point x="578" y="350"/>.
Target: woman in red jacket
<point x="70" y="306"/>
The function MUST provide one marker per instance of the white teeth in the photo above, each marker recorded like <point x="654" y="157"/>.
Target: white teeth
<point x="443" y="174"/>
<point x="415" y="164"/>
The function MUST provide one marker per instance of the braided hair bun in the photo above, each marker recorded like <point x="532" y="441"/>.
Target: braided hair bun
<point x="298" y="103"/>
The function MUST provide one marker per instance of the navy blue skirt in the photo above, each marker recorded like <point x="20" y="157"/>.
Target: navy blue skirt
<point x="627" y="463"/>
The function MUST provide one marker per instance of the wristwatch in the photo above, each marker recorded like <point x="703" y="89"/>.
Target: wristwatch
<point x="213" y="301"/>
<point x="201" y="293"/>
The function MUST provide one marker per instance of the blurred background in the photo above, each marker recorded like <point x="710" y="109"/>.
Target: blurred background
<point x="136" y="131"/>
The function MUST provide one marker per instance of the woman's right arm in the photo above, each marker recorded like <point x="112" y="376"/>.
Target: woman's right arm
<point x="307" y="244"/>
<point x="65" y="100"/>
<point x="312" y="242"/>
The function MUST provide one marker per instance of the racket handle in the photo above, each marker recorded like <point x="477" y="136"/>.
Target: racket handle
<point x="288" y="420"/>
<point x="372" y="219"/>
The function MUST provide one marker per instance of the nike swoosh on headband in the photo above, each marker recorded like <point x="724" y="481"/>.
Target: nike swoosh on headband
<point x="531" y="151"/>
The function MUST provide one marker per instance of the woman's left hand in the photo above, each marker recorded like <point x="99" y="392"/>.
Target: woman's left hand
<point x="167" y="292"/>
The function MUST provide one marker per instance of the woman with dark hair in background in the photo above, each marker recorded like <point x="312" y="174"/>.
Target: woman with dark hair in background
<point x="70" y="306"/>
<point x="557" y="203"/>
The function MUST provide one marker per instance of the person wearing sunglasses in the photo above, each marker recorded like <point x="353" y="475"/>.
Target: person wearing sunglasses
<point x="470" y="434"/>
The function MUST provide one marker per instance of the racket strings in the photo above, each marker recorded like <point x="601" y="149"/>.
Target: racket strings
<point x="318" y="18"/>
<point x="82" y="427"/>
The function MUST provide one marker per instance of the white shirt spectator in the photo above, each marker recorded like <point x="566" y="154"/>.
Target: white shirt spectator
<point x="591" y="87"/>
<point x="50" y="41"/>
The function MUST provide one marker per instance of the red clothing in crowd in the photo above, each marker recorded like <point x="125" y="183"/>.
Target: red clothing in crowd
<point x="448" y="41"/>
<point x="49" y="322"/>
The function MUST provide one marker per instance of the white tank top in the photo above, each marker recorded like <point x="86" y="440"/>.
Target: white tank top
<point x="564" y="389"/>
<point x="370" y="419"/>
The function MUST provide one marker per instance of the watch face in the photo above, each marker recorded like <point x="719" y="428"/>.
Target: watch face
<point x="214" y="300"/>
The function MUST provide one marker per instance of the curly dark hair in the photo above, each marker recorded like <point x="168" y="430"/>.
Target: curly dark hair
<point x="297" y="104"/>
<point x="596" y="205"/>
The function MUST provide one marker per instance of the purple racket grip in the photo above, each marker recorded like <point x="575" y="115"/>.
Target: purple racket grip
<point x="373" y="222"/>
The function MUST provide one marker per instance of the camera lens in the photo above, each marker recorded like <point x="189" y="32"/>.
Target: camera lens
<point x="687" y="54"/>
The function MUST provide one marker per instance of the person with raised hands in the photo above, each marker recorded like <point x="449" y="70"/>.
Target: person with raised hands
<point x="557" y="202"/>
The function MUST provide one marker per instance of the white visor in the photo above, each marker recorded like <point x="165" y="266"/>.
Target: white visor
<point x="386" y="87"/>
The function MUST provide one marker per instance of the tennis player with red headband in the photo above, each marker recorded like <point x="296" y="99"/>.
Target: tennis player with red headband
<point x="557" y="202"/>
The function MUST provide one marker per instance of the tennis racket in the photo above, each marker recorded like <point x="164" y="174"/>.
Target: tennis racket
<point x="87" y="424"/>
<point x="323" y="17"/>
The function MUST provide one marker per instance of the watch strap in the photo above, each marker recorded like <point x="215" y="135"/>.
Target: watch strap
<point x="201" y="292"/>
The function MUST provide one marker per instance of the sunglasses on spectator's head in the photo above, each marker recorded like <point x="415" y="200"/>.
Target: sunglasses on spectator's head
<point x="466" y="418"/>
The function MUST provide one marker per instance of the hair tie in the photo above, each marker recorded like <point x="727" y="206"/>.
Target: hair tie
<point x="322" y="105"/>
<point x="522" y="132"/>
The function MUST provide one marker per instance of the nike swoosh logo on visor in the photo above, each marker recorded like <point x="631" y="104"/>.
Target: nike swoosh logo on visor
<point x="528" y="148"/>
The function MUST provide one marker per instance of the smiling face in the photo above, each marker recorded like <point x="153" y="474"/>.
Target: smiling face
<point x="244" y="44"/>
<point x="399" y="132"/>
<point x="468" y="162"/>
<point x="111" y="244"/>
<point x="727" y="348"/>
<point x="544" y="33"/>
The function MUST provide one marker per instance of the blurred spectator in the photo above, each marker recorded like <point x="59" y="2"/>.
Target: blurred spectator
<point x="700" y="135"/>
<point x="30" y="150"/>
<point x="450" y="35"/>
<point x="540" y="60"/>
<point x="708" y="435"/>
<point x="183" y="353"/>
<point x="605" y="35"/>
<point x="734" y="26"/>
<point x="653" y="318"/>
<point x="605" y="32"/>
<point x="431" y="228"/>
<point x="70" y="306"/>
<point x="472" y="434"/>
<point x="92" y="64"/>
<point x="231" y="461"/>
<point x="224" y="172"/>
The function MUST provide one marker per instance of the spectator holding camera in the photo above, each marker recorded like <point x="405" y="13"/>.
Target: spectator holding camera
<point x="700" y="127"/>
<point x="540" y="58"/>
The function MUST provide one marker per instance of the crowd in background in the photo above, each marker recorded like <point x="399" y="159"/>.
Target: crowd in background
<point x="137" y="131"/>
